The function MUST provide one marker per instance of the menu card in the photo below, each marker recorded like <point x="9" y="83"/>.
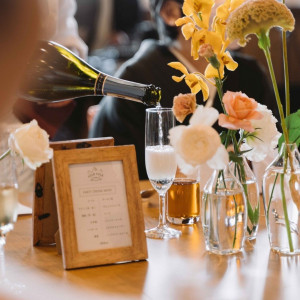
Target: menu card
<point x="100" y="205"/>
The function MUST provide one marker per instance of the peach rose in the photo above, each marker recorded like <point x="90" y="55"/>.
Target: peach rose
<point x="183" y="105"/>
<point x="206" y="50"/>
<point x="241" y="110"/>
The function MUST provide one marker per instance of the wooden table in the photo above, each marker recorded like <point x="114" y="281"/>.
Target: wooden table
<point x="175" y="269"/>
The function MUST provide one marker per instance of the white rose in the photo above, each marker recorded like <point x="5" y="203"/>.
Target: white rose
<point x="199" y="143"/>
<point x="266" y="136"/>
<point x="31" y="143"/>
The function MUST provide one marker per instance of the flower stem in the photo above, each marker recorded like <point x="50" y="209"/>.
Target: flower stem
<point x="3" y="155"/>
<point x="286" y="217"/>
<point x="235" y="226"/>
<point x="286" y="76"/>
<point x="219" y="86"/>
<point x="271" y="197"/>
<point x="264" y="44"/>
<point x="279" y="105"/>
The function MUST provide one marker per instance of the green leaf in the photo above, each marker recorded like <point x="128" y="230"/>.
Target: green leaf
<point x="256" y="214"/>
<point x="235" y="158"/>
<point x="223" y="136"/>
<point x="293" y="124"/>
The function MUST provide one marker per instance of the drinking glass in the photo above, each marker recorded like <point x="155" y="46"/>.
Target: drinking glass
<point x="160" y="164"/>
<point x="184" y="198"/>
<point x="8" y="196"/>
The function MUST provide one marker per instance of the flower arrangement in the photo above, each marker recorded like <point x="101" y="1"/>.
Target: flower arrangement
<point x="236" y="19"/>
<point x="31" y="143"/>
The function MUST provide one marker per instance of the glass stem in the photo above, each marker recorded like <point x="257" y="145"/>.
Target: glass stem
<point x="162" y="210"/>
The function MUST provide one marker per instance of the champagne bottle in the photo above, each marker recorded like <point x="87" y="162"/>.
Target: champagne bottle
<point x="55" y="74"/>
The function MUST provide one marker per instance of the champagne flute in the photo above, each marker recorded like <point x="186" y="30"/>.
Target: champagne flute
<point x="160" y="164"/>
<point x="8" y="196"/>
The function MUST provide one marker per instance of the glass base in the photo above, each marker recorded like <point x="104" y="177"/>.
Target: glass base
<point x="163" y="232"/>
<point x="3" y="232"/>
<point x="285" y="251"/>
<point x="224" y="252"/>
<point x="183" y="221"/>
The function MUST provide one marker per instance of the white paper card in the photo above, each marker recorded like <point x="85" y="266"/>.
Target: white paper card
<point x="100" y="206"/>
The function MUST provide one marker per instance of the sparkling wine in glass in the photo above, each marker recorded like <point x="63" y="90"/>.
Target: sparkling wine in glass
<point x="160" y="164"/>
<point x="8" y="196"/>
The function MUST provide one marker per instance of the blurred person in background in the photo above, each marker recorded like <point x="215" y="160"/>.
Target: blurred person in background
<point x="19" y="33"/>
<point x="113" y="30"/>
<point x="64" y="120"/>
<point x="19" y="28"/>
<point x="125" y="121"/>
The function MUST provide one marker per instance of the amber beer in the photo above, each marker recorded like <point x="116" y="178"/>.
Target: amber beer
<point x="184" y="201"/>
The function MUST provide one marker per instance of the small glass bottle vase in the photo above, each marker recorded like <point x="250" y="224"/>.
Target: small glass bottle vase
<point x="281" y="192"/>
<point x="243" y="172"/>
<point x="224" y="213"/>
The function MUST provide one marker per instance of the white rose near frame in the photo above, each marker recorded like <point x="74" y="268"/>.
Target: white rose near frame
<point x="31" y="144"/>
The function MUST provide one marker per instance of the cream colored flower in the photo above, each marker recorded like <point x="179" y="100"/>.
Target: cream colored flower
<point x="31" y="143"/>
<point x="256" y="16"/>
<point x="198" y="143"/>
<point x="265" y="137"/>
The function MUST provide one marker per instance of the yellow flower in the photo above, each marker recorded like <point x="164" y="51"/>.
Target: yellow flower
<point x="193" y="80"/>
<point x="256" y="16"/>
<point x="199" y="36"/>
<point x="225" y="60"/>
<point x="222" y="13"/>
<point x="199" y="10"/>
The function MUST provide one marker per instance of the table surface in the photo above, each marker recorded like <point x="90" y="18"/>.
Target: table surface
<point x="176" y="269"/>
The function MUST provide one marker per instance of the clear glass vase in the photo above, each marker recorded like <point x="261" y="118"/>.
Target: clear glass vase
<point x="248" y="180"/>
<point x="224" y="213"/>
<point x="281" y="191"/>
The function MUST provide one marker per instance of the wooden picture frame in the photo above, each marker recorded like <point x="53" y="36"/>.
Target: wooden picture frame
<point x="45" y="221"/>
<point x="99" y="206"/>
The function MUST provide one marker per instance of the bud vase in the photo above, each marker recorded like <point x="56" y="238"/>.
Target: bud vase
<point x="224" y="213"/>
<point x="243" y="172"/>
<point x="281" y="191"/>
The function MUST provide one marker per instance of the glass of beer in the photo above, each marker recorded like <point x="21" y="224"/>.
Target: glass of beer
<point x="183" y="201"/>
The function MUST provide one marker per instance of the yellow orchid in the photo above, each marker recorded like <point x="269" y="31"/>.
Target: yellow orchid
<point x="195" y="26"/>
<point x="222" y="14"/>
<point x="225" y="60"/>
<point x="199" y="10"/>
<point x="193" y="80"/>
<point x="198" y="36"/>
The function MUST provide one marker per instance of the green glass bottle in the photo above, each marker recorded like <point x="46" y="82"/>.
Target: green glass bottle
<point x="55" y="74"/>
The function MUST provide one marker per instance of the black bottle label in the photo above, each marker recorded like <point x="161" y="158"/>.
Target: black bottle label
<point x="100" y="84"/>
